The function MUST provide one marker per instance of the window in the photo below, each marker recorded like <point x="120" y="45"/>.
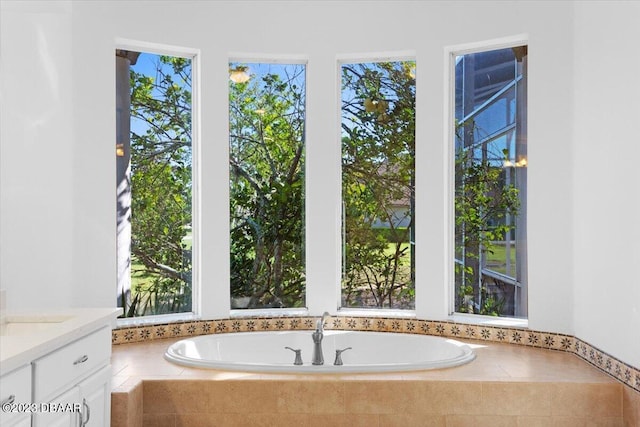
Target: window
<point x="491" y="182"/>
<point x="267" y="184"/>
<point x="154" y="183"/>
<point x="266" y="161"/>
<point x="378" y="151"/>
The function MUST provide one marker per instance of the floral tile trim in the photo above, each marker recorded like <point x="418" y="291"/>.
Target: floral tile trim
<point x="606" y="363"/>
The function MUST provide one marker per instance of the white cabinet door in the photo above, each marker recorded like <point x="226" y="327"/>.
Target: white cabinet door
<point x="24" y="421"/>
<point x="63" y="411"/>
<point x="15" y="394"/>
<point x="95" y="395"/>
<point x="87" y="404"/>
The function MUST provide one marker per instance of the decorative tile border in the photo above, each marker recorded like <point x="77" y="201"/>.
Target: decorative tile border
<point x="606" y="363"/>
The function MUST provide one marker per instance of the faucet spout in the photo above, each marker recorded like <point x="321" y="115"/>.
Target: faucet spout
<point x="318" y="357"/>
<point x="320" y="322"/>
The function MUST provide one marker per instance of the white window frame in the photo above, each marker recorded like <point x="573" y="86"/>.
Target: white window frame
<point x="450" y="53"/>
<point x="245" y="58"/>
<point x="398" y="56"/>
<point x="196" y="282"/>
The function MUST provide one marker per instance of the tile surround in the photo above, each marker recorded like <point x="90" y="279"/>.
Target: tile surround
<point x="377" y="402"/>
<point x="510" y="385"/>
<point x="627" y="374"/>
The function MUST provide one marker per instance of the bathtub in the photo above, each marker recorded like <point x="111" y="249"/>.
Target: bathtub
<point x="370" y="352"/>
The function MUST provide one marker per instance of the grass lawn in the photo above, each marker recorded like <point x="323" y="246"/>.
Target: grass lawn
<point x="141" y="280"/>
<point x="496" y="261"/>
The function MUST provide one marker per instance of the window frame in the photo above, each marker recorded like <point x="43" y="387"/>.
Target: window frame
<point x="282" y="60"/>
<point x="450" y="54"/>
<point x="341" y="60"/>
<point x="194" y="56"/>
<point x="319" y="296"/>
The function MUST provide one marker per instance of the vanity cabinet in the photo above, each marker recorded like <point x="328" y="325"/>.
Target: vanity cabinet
<point x="55" y="367"/>
<point x="15" y="390"/>
<point x="74" y="383"/>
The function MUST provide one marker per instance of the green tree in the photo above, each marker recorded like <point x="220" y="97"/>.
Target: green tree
<point x="378" y="152"/>
<point x="266" y="122"/>
<point x="482" y="202"/>
<point x="161" y="183"/>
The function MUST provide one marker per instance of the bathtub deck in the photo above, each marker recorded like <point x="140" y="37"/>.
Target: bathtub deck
<point x="494" y="362"/>
<point x="506" y="385"/>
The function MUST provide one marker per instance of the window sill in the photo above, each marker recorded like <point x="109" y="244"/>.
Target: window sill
<point x="476" y="319"/>
<point x="266" y="312"/>
<point x="370" y="312"/>
<point x="472" y="319"/>
<point x="131" y="322"/>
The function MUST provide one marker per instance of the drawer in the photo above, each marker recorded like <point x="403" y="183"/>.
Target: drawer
<point x="66" y="366"/>
<point x="16" y="388"/>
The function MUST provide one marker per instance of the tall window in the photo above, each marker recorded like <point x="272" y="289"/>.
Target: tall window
<point x="266" y="160"/>
<point x="378" y="151"/>
<point x="154" y="183"/>
<point x="491" y="182"/>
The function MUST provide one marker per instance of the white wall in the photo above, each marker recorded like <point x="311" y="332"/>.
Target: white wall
<point x="607" y="184"/>
<point x="36" y="151"/>
<point x="74" y="247"/>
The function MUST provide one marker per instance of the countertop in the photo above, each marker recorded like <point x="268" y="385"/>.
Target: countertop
<point x="19" y="349"/>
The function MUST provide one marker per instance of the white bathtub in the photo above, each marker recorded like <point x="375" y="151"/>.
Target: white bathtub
<point x="371" y="352"/>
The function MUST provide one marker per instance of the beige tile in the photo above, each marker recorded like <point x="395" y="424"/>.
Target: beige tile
<point x="175" y="396"/>
<point x="119" y="409"/>
<point x="118" y="380"/>
<point x="605" y="422"/>
<point x="586" y="422"/>
<point x="550" y="368"/>
<point x="136" y="406"/>
<point x="481" y="421"/>
<point x="159" y="420"/>
<point x="457" y="397"/>
<point x="631" y="407"/>
<point x="382" y="397"/>
<point x="413" y="397"/>
<point x="364" y="397"/>
<point x="197" y="420"/>
<point x="586" y="400"/>
<point x="152" y="367"/>
<point x="127" y="385"/>
<point x="568" y="422"/>
<point x="526" y="421"/>
<point x="262" y="420"/>
<point x="126" y="407"/>
<point x="412" y="420"/>
<point x="214" y="374"/>
<point x="250" y="396"/>
<point x="343" y="420"/>
<point x="516" y="399"/>
<point x="310" y="397"/>
<point x="478" y="370"/>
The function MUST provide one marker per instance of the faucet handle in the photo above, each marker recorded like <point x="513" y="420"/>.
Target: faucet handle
<point x="298" y="353"/>
<point x="338" y="361"/>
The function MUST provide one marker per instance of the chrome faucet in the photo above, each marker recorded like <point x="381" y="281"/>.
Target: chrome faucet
<point x="318" y="358"/>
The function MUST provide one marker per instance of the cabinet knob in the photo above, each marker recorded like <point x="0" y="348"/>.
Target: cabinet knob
<point x="9" y="400"/>
<point x="81" y="359"/>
